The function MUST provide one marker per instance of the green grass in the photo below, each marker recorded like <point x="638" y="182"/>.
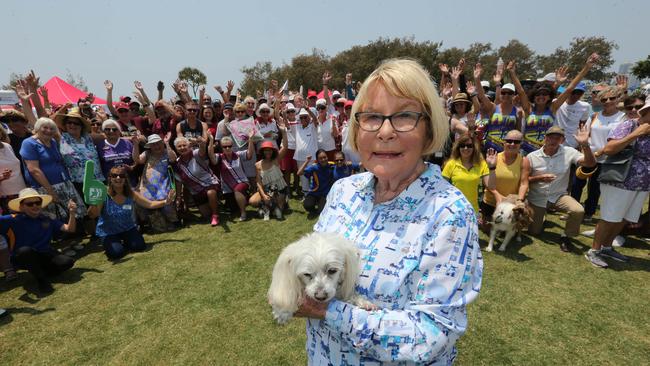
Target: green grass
<point x="198" y="296"/>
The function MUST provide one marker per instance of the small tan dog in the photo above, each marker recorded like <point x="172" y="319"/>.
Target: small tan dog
<point x="511" y="215"/>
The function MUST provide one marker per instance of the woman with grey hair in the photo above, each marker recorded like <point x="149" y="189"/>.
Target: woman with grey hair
<point x="46" y="171"/>
<point x="116" y="151"/>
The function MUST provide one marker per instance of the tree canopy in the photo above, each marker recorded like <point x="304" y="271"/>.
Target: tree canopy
<point x="194" y="78"/>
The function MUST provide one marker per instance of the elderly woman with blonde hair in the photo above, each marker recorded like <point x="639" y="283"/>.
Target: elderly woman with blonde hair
<point x="46" y="171"/>
<point x="417" y="235"/>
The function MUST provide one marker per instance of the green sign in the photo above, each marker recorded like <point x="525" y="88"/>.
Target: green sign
<point x="94" y="190"/>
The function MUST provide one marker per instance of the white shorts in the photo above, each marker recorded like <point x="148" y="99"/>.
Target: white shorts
<point x="618" y="204"/>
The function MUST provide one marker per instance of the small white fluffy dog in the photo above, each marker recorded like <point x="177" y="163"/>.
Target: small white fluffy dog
<point x="319" y="265"/>
<point x="511" y="215"/>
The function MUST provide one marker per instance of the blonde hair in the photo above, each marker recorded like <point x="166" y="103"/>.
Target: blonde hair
<point x="405" y="78"/>
<point x="240" y="107"/>
<point x="610" y="91"/>
<point x="44" y="121"/>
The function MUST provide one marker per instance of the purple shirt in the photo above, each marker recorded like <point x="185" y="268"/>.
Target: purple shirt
<point x="638" y="178"/>
<point x="111" y="156"/>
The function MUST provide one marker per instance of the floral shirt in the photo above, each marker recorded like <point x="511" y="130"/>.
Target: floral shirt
<point x="420" y="263"/>
<point x="76" y="153"/>
<point x="638" y="178"/>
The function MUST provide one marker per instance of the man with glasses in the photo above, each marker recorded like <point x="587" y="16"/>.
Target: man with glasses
<point x="192" y="128"/>
<point x="550" y="170"/>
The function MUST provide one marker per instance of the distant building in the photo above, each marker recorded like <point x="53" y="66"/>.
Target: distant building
<point x="626" y="69"/>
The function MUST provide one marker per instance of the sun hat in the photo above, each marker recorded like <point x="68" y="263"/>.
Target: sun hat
<point x="548" y="77"/>
<point x="555" y="130"/>
<point x="460" y="98"/>
<point x="303" y="112"/>
<point x="485" y="84"/>
<point x="508" y="86"/>
<point x="646" y="106"/>
<point x="267" y="144"/>
<point x="348" y="103"/>
<point x="26" y="193"/>
<point x="335" y="93"/>
<point x="152" y="139"/>
<point x="59" y="119"/>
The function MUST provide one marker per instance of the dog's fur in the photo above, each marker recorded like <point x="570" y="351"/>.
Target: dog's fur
<point x="265" y="210"/>
<point x="511" y="216"/>
<point x="319" y="265"/>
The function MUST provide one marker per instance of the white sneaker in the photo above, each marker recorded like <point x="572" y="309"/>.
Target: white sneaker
<point x="618" y="241"/>
<point x="267" y="216"/>
<point x="589" y="233"/>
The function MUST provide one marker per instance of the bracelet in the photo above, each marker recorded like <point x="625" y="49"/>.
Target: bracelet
<point x="473" y="95"/>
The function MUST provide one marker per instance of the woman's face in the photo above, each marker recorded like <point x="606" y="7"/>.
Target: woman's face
<point x="157" y="148"/>
<point x="265" y="114"/>
<point x="322" y="159"/>
<point x="461" y="108"/>
<point x="632" y="110"/>
<point x="386" y="153"/>
<point x="512" y="143"/>
<point x="207" y="114"/>
<point x="466" y="149"/>
<point x="268" y="154"/>
<point x="609" y="102"/>
<point x="542" y="97"/>
<point x="240" y="115"/>
<point x="183" y="148"/>
<point x="112" y="132"/>
<point x="250" y="106"/>
<point x="46" y="132"/>
<point x="73" y="126"/>
<point x="118" y="178"/>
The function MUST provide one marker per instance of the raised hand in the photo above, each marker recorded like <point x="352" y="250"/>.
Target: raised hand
<point x="471" y="89"/>
<point x="182" y="87"/>
<point x="326" y="77"/>
<point x="160" y="86"/>
<point x="471" y="121"/>
<point x="90" y="98"/>
<point x="511" y="67"/>
<point x="461" y="65"/>
<point x="498" y="76"/>
<point x="491" y="158"/>
<point x="32" y="81"/>
<point x="218" y="88"/>
<point x="138" y="85"/>
<point x="443" y="68"/>
<point x="455" y="72"/>
<point x="561" y="74"/>
<point x="202" y="89"/>
<point x="108" y="85"/>
<point x="230" y="85"/>
<point x="446" y="90"/>
<point x="22" y="91"/>
<point x="139" y="97"/>
<point x="309" y="157"/>
<point x="621" y="82"/>
<point x="43" y="91"/>
<point x="593" y="59"/>
<point x="478" y="71"/>
<point x="582" y="136"/>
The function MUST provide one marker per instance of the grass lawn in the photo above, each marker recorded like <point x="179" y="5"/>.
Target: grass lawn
<point x="198" y="296"/>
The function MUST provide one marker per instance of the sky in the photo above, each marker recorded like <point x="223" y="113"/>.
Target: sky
<point x="151" y="40"/>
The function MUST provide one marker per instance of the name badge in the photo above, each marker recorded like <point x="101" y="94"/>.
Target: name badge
<point x="126" y="207"/>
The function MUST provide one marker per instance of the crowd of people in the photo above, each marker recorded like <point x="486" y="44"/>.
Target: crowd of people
<point x="540" y="140"/>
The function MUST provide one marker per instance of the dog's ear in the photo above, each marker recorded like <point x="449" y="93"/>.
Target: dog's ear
<point x="286" y="289"/>
<point x="351" y="272"/>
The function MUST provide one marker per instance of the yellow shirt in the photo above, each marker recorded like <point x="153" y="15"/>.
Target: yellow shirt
<point x="508" y="177"/>
<point x="467" y="181"/>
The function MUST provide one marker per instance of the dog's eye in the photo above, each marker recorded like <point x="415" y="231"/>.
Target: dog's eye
<point x="308" y="275"/>
<point x="332" y="271"/>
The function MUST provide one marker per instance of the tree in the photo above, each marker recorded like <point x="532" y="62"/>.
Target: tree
<point x="549" y="63"/>
<point x="522" y="55"/>
<point x="577" y="54"/>
<point x="193" y="77"/>
<point x="76" y="81"/>
<point x="256" y="77"/>
<point x="13" y="78"/>
<point x="642" y="68"/>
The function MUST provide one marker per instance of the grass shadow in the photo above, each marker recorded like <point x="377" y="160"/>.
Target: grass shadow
<point x="636" y="264"/>
<point x="74" y="275"/>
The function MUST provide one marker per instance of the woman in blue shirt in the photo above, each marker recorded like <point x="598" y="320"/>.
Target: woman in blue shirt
<point x="116" y="226"/>
<point x="321" y="178"/>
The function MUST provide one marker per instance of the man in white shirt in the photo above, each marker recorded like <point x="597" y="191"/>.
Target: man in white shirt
<point x="550" y="168"/>
<point x="572" y="114"/>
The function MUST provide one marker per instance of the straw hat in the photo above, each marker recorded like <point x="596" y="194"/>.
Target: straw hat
<point x="26" y="193"/>
<point x="73" y="113"/>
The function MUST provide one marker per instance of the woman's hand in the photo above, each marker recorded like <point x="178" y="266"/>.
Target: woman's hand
<point x="311" y="308"/>
<point x="561" y="75"/>
<point x="171" y="197"/>
<point x="6" y="173"/>
<point x="582" y="137"/>
<point x="471" y="89"/>
<point x="72" y="207"/>
<point x="642" y="130"/>
<point x="478" y="70"/>
<point x="455" y="72"/>
<point x="491" y="158"/>
<point x="108" y="85"/>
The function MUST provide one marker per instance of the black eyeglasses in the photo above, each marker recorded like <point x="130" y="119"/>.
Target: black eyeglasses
<point x="33" y="203"/>
<point x="635" y="107"/>
<point x="111" y="129"/>
<point x="466" y="146"/>
<point x="515" y="142"/>
<point x="507" y="93"/>
<point x="404" y="121"/>
<point x="605" y="100"/>
<point x="116" y="175"/>
<point x="226" y="146"/>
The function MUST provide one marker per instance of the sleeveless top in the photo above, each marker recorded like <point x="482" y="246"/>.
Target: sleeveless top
<point x="189" y="132"/>
<point x="154" y="182"/>
<point x="116" y="218"/>
<point x="535" y="130"/>
<point x="498" y="126"/>
<point x="273" y="176"/>
<point x="508" y="177"/>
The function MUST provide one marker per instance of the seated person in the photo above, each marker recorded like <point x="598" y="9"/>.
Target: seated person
<point x="30" y="232"/>
<point x="116" y="226"/>
<point x="321" y="178"/>
<point x="550" y="168"/>
<point x="271" y="187"/>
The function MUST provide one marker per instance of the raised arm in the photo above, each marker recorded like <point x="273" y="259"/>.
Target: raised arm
<point x="525" y="103"/>
<point x="22" y="91"/>
<point x="160" y="87"/>
<point x="490" y="181"/>
<point x="135" y="152"/>
<point x="302" y="168"/>
<point x="71" y="225"/>
<point x="326" y="79"/>
<point x="46" y="99"/>
<point x="486" y="104"/>
<point x="32" y="82"/>
<point x="109" y="97"/>
<point x="593" y="58"/>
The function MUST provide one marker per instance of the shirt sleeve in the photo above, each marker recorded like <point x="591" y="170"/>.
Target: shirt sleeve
<point x="310" y="169"/>
<point x="28" y="150"/>
<point x="5" y="223"/>
<point x="447" y="169"/>
<point x="483" y="168"/>
<point x="574" y="155"/>
<point x="449" y="277"/>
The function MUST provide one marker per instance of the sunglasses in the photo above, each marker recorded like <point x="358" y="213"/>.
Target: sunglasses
<point x="32" y="203"/>
<point x="515" y="142"/>
<point x="605" y="100"/>
<point x="121" y="176"/>
<point x="339" y="160"/>
<point x="74" y="123"/>
<point x="265" y="112"/>
<point x="466" y="146"/>
<point x="321" y="107"/>
<point x="507" y="93"/>
<point x="226" y="146"/>
<point x="635" y="107"/>
<point x="110" y="129"/>
<point x="192" y="110"/>
<point x="240" y="111"/>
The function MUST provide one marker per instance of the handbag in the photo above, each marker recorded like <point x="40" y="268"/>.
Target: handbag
<point x="616" y="167"/>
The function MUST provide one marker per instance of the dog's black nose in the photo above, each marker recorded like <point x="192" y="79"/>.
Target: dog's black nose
<point x="320" y="298"/>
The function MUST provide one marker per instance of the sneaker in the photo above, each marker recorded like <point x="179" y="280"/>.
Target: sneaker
<point x="242" y="218"/>
<point x="215" y="220"/>
<point x="267" y="216"/>
<point x="595" y="259"/>
<point x="565" y="244"/>
<point x="278" y="213"/>
<point x="618" y="241"/>
<point x="589" y="233"/>
<point x="611" y="253"/>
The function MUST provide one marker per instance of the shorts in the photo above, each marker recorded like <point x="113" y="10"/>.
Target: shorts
<point x="287" y="163"/>
<point x="618" y="204"/>
<point x="241" y="188"/>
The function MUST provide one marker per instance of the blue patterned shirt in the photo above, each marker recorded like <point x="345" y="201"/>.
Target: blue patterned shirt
<point x="420" y="263"/>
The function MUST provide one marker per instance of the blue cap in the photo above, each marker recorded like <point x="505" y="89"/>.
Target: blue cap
<point x="581" y="86"/>
<point x="561" y="89"/>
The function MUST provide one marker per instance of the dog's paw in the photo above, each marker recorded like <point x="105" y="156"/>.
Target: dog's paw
<point x="365" y="304"/>
<point x="282" y="317"/>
